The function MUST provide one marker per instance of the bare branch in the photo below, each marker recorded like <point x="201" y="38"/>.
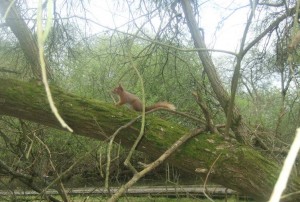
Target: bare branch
<point x="154" y="164"/>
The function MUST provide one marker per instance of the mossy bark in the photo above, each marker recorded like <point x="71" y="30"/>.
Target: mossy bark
<point x="238" y="167"/>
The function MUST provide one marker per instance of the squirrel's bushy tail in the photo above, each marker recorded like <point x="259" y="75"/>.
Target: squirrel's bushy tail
<point x="161" y="105"/>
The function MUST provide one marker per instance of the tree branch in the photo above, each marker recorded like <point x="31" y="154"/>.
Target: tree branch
<point x="239" y="128"/>
<point x="236" y="169"/>
<point x="27" y="41"/>
<point x="154" y="164"/>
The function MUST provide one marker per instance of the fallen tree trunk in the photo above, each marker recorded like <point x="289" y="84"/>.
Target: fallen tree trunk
<point x="238" y="167"/>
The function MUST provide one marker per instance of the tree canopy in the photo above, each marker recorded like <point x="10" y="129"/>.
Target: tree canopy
<point x="241" y="105"/>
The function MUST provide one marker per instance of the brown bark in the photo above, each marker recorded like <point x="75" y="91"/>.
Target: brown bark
<point x="236" y="123"/>
<point x="239" y="167"/>
<point x="223" y="97"/>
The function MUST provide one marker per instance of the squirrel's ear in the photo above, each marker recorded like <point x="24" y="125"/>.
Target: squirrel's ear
<point x="120" y="86"/>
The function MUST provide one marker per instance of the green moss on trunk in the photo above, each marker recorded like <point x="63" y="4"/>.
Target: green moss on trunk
<point x="238" y="167"/>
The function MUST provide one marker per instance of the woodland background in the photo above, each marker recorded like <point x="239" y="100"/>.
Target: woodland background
<point x="243" y="105"/>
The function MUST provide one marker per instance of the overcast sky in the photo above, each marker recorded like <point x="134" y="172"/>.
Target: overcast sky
<point x="217" y="34"/>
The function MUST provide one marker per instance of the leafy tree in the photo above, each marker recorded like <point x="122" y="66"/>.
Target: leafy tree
<point x="224" y="100"/>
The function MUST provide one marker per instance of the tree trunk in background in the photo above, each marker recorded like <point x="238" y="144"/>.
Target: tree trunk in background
<point x="27" y="41"/>
<point x="238" y="167"/>
<point x="238" y="127"/>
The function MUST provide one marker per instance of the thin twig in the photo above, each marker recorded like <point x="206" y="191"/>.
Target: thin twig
<point x="26" y="179"/>
<point x="206" y="178"/>
<point x="155" y="41"/>
<point x="110" y="147"/>
<point x="138" y="139"/>
<point x="156" y="163"/>
<point x="61" y="189"/>
<point x="126" y="126"/>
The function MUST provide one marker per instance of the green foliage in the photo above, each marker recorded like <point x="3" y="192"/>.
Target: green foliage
<point x="92" y="65"/>
<point x="268" y="111"/>
<point x="12" y="60"/>
<point x="103" y="64"/>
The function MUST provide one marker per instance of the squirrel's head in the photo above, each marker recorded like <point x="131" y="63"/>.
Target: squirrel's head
<point x="118" y="89"/>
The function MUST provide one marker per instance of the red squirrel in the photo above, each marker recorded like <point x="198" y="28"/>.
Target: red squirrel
<point x="131" y="99"/>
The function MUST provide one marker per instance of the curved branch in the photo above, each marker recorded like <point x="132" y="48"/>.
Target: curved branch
<point x="272" y="26"/>
<point x="26" y="179"/>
